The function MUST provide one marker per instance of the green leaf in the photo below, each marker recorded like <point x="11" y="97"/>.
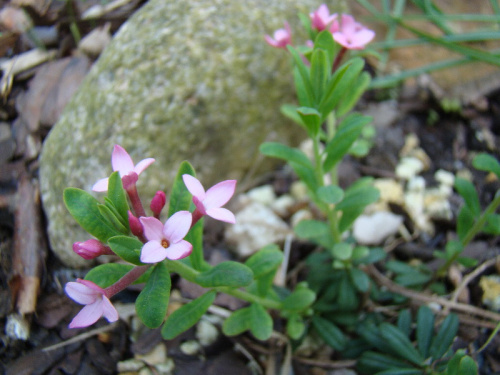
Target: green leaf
<point x="290" y="111"/>
<point x="375" y="254"/>
<point x="84" y="209"/>
<point x="304" y="74"/>
<point x="468" y="192"/>
<point x="401" y="371"/>
<point x="180" y="197"/>
<point x="117" y="196"/>
<point x="329" y="332"/>
<point x="238" y="322"/>
<point x="127" y="248"/>
<point x="195" y="238"/>
<point x="360" y="279"/>
<point x="330" y="194"/>
<point x="467" y="262"/>
<point x="400" y="343"/>
<point x="295" y="326"/>
<point x="280" y="151"/>
<point x="107" y="274"/>
<point x="359" y="198"/>
<point x="347" y="296"/>
<point x="347" y="133"/>
<point x="454" y="362"/>
<point x="306" y="175"/>
<point x="425" y="330"/>
<point x="465" y="221"/>
<point x="486" y="162"/>
<point x="404" y="321"/>
<point x="265" y="260"/>
<point x="467" y="366"/>
<point x="312" y="118"/>
<point x="342" y="251"/>
<point x="320" y="71"/>
<point x="492" y="225"/>
<point x="261" y="323"/>
<point x="314" y="230"/>
<point x="301" y="90"/>
<point x="372" y="362"/>
<point x="152" y="303"/>
<point x="229" y="274"/>
<point x="349" y="101"/>
<point x="300" y="299"/>
<point x="187" y="316"/>
<point x="445" y="336"/>
<point x="112" y="218"/>
<point x="324" y="40"/>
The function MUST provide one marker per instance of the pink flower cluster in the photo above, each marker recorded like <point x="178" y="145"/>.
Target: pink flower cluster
<point x="346" y="31"/>
<point x="161" y="240"/>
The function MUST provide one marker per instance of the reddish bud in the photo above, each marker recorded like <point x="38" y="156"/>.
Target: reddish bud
<point x="129" y="180"/>
<point x="158" y="202"/>
<point x="135" y="225"/>
<point x="89" y="249"/>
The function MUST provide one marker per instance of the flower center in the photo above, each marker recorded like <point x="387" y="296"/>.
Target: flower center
<point x="165" y="243"/>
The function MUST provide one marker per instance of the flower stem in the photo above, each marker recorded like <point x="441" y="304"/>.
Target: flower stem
<point x="135" y="200"/>
<point x="125" y="281"/>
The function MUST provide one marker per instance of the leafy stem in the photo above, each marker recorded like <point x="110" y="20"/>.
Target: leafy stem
<point x="479" y="224"/>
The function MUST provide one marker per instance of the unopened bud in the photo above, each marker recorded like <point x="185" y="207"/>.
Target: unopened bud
<point x="89" y="249"/>
<point x="135" y="225"/>
<point x="158" y="202"/>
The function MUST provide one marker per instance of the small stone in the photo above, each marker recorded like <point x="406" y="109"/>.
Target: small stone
<point x="156" y="356"/>
<point x="491" y="291"/>
<point x="96" y="41"/>
<point x="166" y="368"/>
<point x="17" y="327"/>
<point x="206" y="332"/>
<point x="299" y="216"/>
<point x="436" y="204"/>
<point x="411" y="144"/>
<point x="262" y="194"/>
<point x="444" y="177"/>
<point x="298" y="190"/>
<point x="129" y="365"/>
<point x="190" y="347"/>
<point x="283" y="205"/>
<point x="256" y="226"/>
<point x="409" y="167"/>
<point x="384" y="114"/>
<point x="343" y="371"/>
<point x="391" y="191"/>
<point x="373" y="229"/>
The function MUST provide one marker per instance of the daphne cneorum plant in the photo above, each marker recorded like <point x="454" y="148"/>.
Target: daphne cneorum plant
<point x="167" y="238"/>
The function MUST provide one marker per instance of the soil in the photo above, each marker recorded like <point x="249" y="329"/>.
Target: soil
<point x="32" y="301"/>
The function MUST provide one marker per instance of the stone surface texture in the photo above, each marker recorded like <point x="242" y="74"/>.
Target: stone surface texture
<point x="181" y="80"/>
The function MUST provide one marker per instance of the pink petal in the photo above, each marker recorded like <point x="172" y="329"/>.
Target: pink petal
<point x="199" y="205"/>
<point x="153" y="228"/>
<point x="142" y="165"/>
<point x="109" y="311"/>
<point x="341" y="39"/>
<point x="101" y="185"/>
<point x="121" y="160"/>
<point x="153" y="252"/>
<point x="272" y="43"/>
<point x="222" y="214"/>
<point x="88" y="315"/>
<point x="219" y="194"/>
<point x="179" y="250"/>
<point x="81" y="293"/>
<point x="177" y="226"/>
<point x="194" y="186"/>
<point x="364" y="37"/>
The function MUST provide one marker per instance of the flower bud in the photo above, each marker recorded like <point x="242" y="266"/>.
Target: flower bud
<point x="129" y="180"/>
<point x="89" y="249"/>
<point x="135" y="225"/>
<point x="158" y="202"/>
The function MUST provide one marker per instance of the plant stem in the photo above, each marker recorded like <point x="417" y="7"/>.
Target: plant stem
<point x="125" y="281"/>
<point x="478" y="225"/>
<point x="190" y="274"/>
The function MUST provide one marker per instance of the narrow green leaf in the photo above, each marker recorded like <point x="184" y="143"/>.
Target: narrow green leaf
<point x="348" y="132"/>
<point x="486" y="162"/>
<point x="238" y="322"/>
<point x="127" y="248"/>
<point x="229" y="274"/>
<point x="187" y="316"/>
<point x="195" y="238"/>
<point x="281" y="151"/>
<point x="107" y="274"/>
<point x="465" y="220"/>
<point x="304" y="74"/>
<point x="300" y="89"/>
<point x="84" y="209"/>
<point x="404" y="321"/>
<point x="400" y="343"/>
<point x="360" y="279"/>
<point x="442" y="341"/>
<point x="373" y="362"/>
<point x="320" y="71"/>
<point x="425" y="330"/>
<point x="265" y="260"/>
<point x="330" y="194"/>
<point x="308" y="229"/>
<point x="329" y="332"/>
<point x="117" y="196"/>
<point x="324" y="40"/>
<point x="290" y="111"/>
<point x="152" y="303"/>
<point x="401" y="371"/>
<point x="347" y="298"/>
<point x="108" y="214"/>
<point x="349" y="101"/>
<point x="312" y="118"/>
<point x="180" y="197"/>
<point x="261" y="323"/>
<point x="412" y="279"/>
<point x="454" y="362"/>
<point x="359" y="198"/>
<point x="306" y="175"/>
<point x="468" y="192"/>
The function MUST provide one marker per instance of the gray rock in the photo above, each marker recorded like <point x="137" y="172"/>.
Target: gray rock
<point x="181" y="80"/>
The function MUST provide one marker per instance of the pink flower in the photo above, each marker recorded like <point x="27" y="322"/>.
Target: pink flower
<point x="210" y="202"/>
<point x="166" y="241"/>
<point x="321" y="18"/>
<point x="351" y="34"/>
<point x="91" y="249"/>
<point x="123" y="163"/>
<point x="97" y="304"/>
<point x="281" y="37"/>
